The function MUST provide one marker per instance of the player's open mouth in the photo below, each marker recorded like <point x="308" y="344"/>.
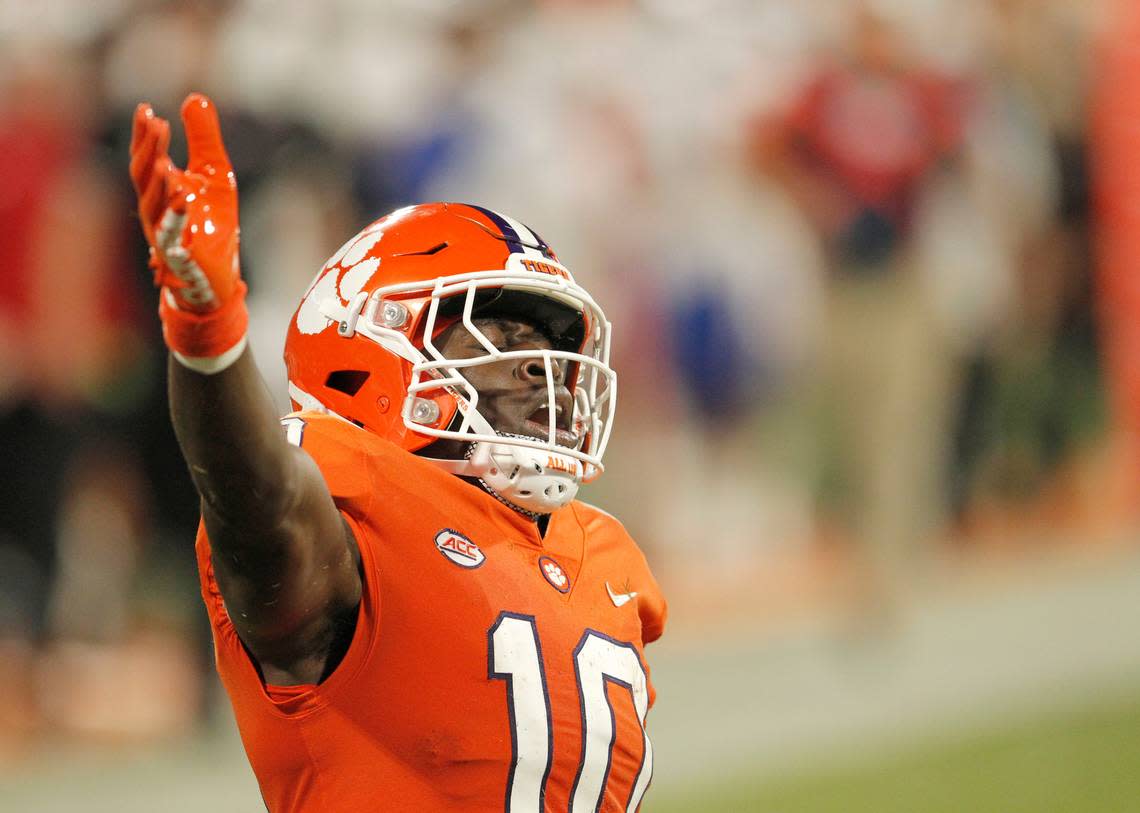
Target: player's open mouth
<point x="538" y="426"/>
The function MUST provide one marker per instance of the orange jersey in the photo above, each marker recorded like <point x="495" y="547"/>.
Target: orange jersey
<point x="491" y="668"/>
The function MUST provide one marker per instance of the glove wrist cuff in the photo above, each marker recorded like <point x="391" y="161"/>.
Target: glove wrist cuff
<point x="205" y="342"/>
<point x="210" y="365"/>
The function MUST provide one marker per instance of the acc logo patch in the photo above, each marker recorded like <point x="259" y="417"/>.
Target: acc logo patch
<point x="459" y="549"/>
<point x="553" y="573"/>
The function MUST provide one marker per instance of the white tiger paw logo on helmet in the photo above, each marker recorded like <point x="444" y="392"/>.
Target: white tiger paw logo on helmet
<point x="344" y="275"/>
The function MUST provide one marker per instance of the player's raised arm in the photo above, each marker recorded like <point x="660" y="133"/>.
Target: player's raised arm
<point x="283" y="557"/>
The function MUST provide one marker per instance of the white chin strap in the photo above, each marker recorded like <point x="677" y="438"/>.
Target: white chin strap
<point x="536" y="480"/>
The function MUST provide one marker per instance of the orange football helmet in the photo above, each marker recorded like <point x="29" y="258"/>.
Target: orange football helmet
<point x="360" y="345"/>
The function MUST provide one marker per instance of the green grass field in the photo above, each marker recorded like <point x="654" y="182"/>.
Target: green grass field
<point x="1086" y="762"/>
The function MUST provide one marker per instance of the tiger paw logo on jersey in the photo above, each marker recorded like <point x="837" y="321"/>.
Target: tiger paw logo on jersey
<point x="459" y="549"/>
<point x="553" y="573"/>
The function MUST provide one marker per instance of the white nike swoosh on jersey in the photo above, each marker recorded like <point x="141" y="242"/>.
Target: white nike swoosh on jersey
<point x="619" y="598"/>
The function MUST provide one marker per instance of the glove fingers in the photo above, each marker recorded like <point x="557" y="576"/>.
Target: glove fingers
<point x="143" y="152"/>
<point x="149" y="158"/>
<point x="152" y="199"/>
<point x="143" y="113"/>
<point x="149" y="165"/>
<point x="162" y="148"/>
<point x="204" y="136"/>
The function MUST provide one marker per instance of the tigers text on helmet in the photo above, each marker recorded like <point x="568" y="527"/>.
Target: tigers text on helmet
<point x="363" y="345"/>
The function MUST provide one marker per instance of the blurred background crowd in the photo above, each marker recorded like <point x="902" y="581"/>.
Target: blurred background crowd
<point x="868" y="313"/>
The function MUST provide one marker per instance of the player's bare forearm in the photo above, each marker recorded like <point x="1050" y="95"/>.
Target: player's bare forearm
<point x="228" y="428"/>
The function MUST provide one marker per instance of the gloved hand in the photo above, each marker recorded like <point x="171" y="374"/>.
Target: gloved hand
<point x="190" y="219"/>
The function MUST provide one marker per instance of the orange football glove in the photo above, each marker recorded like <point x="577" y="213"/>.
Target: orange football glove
<point x="190" y="219"/>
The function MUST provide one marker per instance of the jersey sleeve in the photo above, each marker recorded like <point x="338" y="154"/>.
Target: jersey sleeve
<point x="652" y="608"/>
<point x="610" y="536"/>
<point x="338" y="448"/>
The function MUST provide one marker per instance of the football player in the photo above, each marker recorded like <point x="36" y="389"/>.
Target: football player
<point x="410" y="609"/>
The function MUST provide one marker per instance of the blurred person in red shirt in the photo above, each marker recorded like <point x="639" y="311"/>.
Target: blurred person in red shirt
<point x="857" y="147"/>
<point x="860" y="139"/>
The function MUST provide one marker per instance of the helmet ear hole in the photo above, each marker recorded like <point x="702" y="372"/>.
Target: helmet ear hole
<point x="347" y="381"/>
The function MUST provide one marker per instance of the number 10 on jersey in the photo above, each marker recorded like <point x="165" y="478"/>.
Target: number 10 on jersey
<point x="515" y="656"/>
